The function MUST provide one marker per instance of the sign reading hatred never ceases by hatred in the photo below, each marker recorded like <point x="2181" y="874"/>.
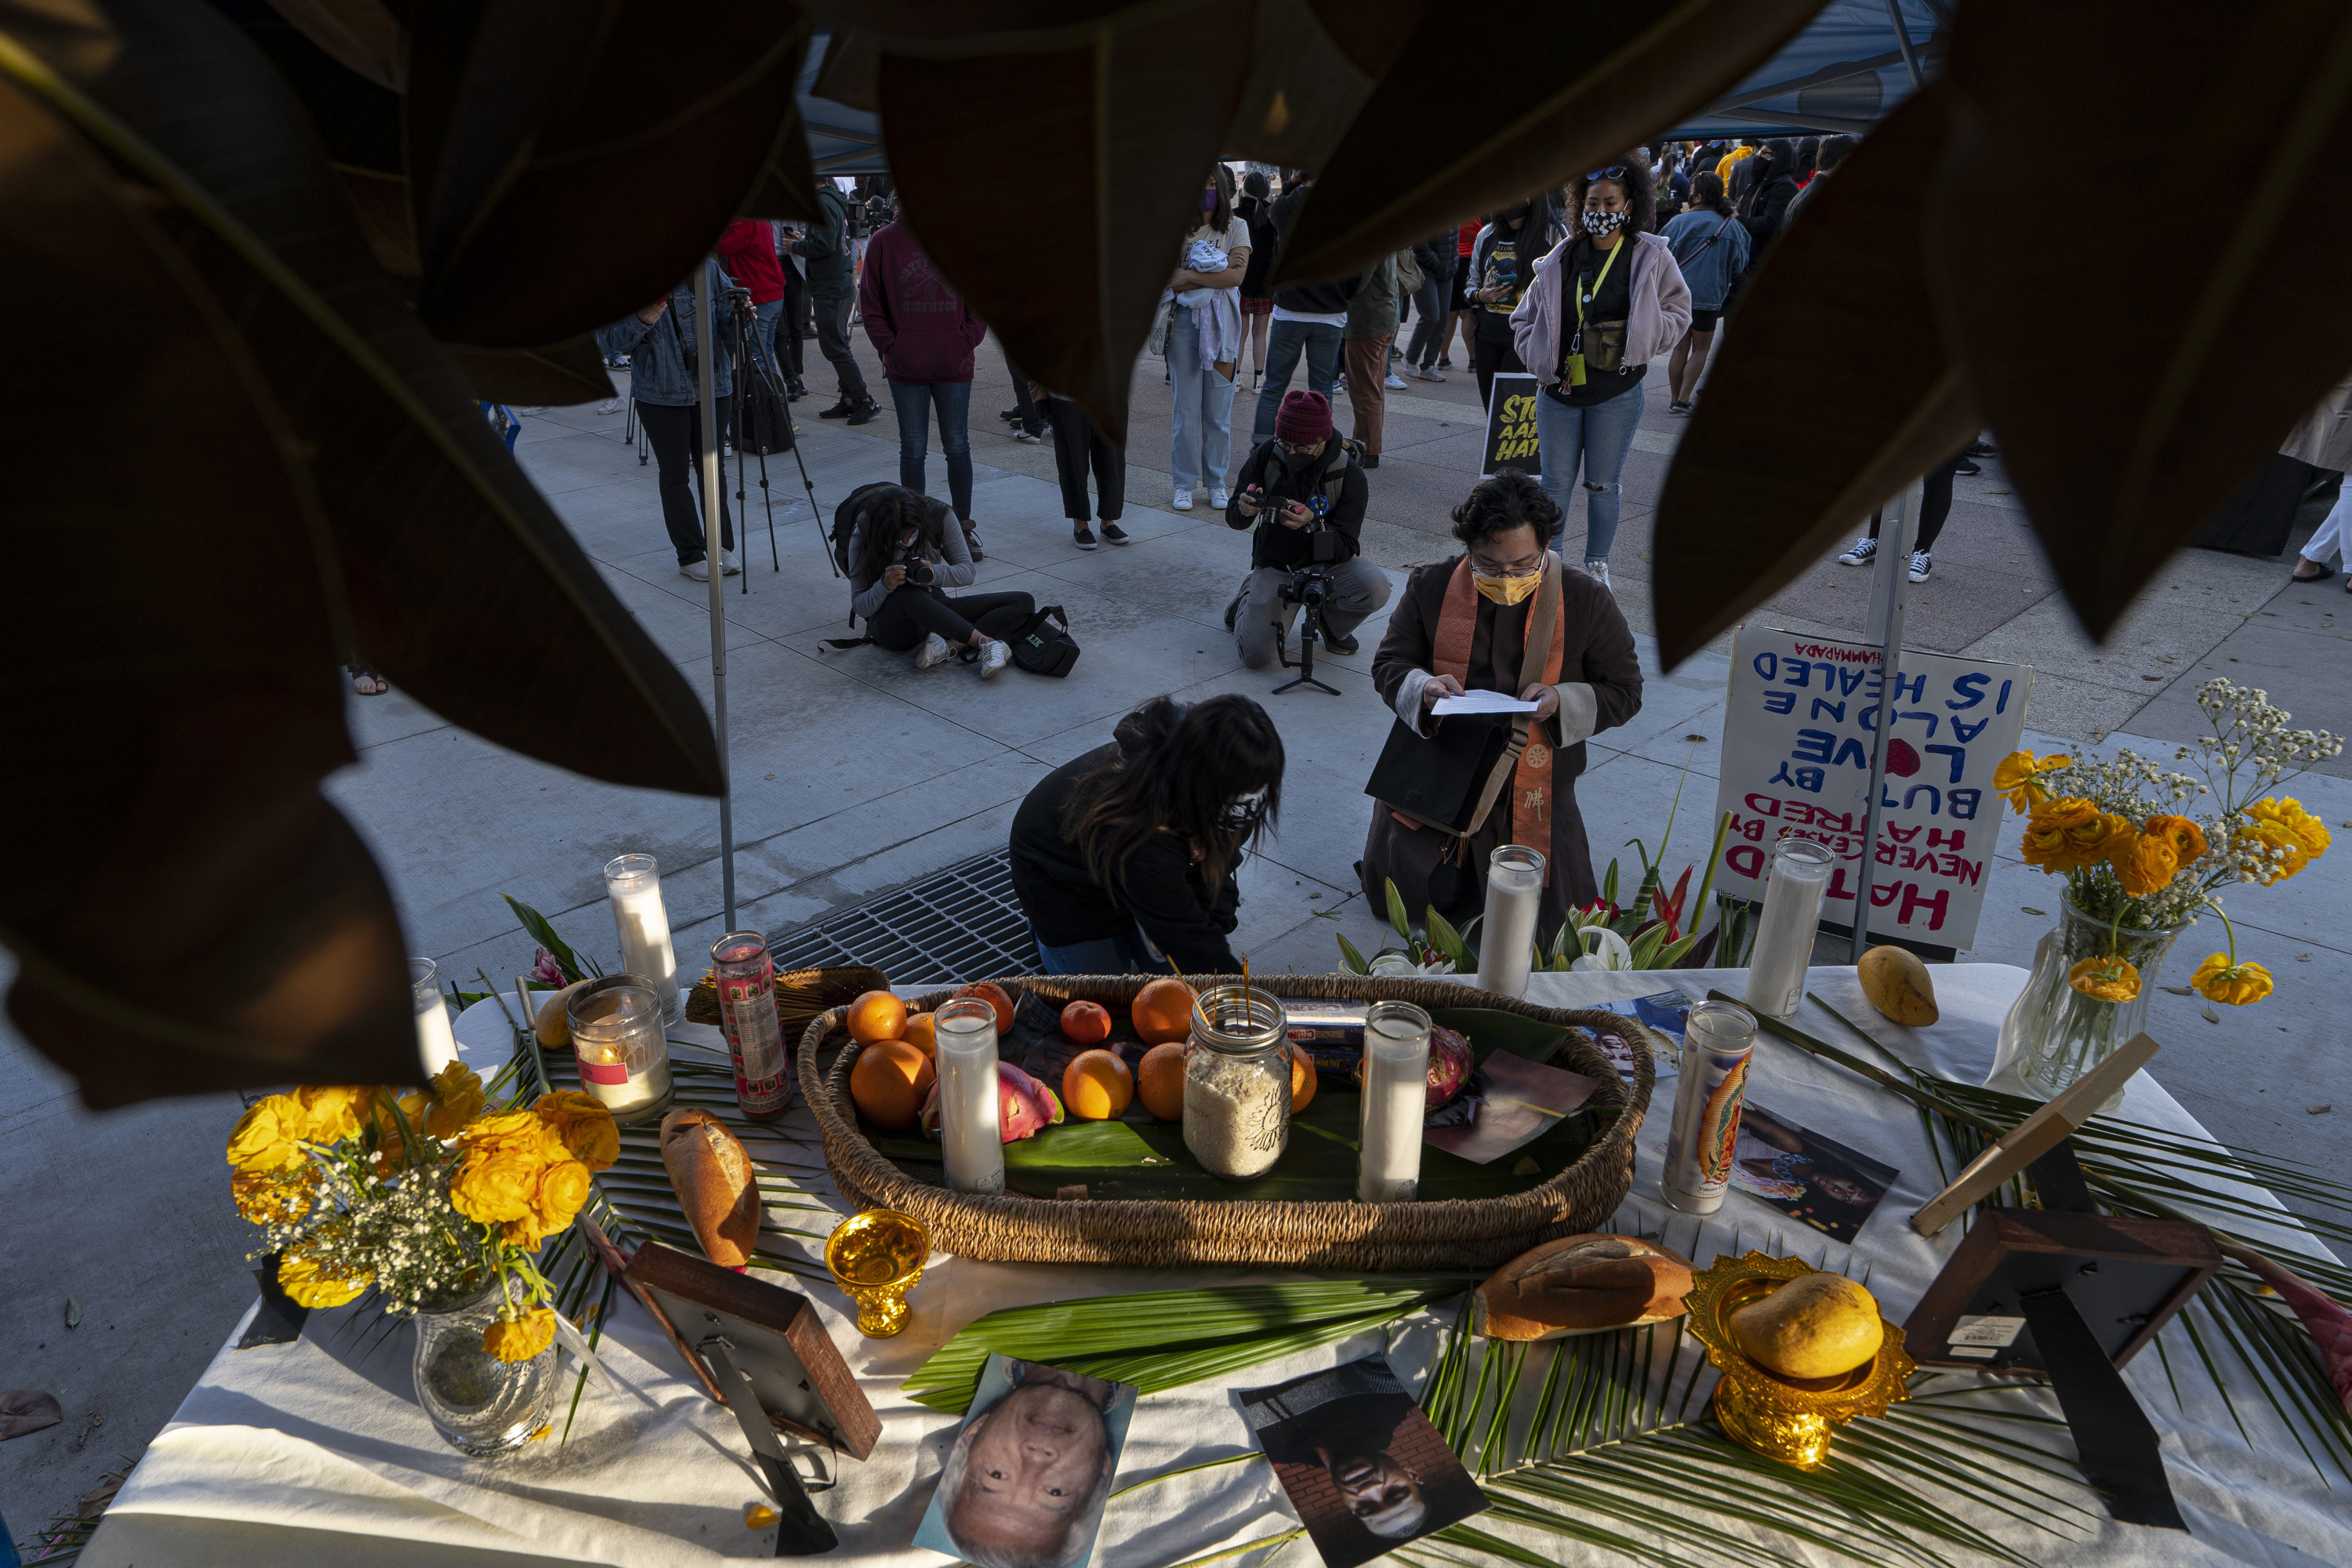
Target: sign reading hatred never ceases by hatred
<point x="1801" y="715"/>
<point x="1511" y="426"/>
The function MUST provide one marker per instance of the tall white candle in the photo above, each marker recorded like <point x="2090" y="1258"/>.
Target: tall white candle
<point x="1784" y="933"/>
<point x="437" y="1045"/>
<point x="1515" y="878"/>
<point x="619" y="1048"/>
<point x="971" y="1120"/>
<point x="641" y="920"/>
<point x="1395" y="1104"/>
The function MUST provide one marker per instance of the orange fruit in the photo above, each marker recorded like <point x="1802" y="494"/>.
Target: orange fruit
<point x="888" y="1083"/>
<point x="996" y="997"/>
<point x="1087" y="1023"/>
<point x="1096" y="1086"/>
<point x="1159" y="1081"/>
<point x="876" y="1015"/>
<point x="1163" y="1011"/>
<point x="1303" y="1079"/>
<point x="921" y="1031"/>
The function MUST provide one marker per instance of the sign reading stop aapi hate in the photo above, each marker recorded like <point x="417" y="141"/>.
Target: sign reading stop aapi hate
<point x="1801" y="716"/>
<point x="1511" y="425"/>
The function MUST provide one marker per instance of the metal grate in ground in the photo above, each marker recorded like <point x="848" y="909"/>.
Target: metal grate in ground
<point x="965" y="924"/>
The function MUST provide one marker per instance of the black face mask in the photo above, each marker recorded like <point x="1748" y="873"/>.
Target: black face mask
<point x="1513" y="217"/>
<point x="1299" y="462"/>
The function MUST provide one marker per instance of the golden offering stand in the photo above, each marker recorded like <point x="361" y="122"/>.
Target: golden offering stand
<point x="1783" y="1418"/>
<point x="876" y="1257"/>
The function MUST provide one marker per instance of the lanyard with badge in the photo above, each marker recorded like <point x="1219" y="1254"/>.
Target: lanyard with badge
<point x="1576" y="343"/>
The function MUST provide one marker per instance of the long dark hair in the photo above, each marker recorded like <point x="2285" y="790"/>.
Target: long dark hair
<point x="1708" y="192"/>
<point x="1641" y="199"/>
<point x="1221" y="218"/>
<point x="1177" y="768"/>
<point x="885" y="516"/>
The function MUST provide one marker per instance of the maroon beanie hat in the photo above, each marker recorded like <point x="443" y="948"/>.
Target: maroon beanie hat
<point x="1304" y="416"/>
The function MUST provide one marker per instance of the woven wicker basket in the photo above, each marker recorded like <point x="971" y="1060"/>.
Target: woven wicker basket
<point x="1471" y="1232"/>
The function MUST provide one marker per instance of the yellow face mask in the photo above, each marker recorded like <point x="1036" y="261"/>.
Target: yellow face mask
<point x="1505" y="589"/>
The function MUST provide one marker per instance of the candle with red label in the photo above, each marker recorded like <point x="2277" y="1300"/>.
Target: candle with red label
<point x="619" y="1046"/>
<point x="745" y="977"/>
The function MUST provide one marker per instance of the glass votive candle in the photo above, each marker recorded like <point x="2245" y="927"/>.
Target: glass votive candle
<point x="1784" y="932"/>
<point x="641" y="924"/>
<point x="618" y="1043"/>
<point x="1507" y="937"/>
<point x="1395" y="1104"/>
<point x="971" y="1115"/>
<point x="876" y="1257"/>
<point x="436" y="1042"/>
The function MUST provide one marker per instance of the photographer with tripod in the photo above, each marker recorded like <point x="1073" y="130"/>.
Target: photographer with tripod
<point x="665" y="385"/>
<point x="1305" y="495"/>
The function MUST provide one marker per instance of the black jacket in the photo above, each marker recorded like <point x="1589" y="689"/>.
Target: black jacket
<point x="1161" y="889"/>
<point x="1334" y="479"/>
<point x="1438" y="258"/>
<point x="828" y="251"/>
<point x="1320" y="298"/>
<point x="1264" y="239"/>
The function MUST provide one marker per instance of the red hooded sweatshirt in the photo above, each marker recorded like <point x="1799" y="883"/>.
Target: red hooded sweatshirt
<point x="919" y="324"/>
<point x="747" y="248"/>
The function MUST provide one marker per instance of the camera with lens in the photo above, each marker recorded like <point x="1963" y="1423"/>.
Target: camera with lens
<point x="910" y="560"/>
<point x="1309" y="585"/>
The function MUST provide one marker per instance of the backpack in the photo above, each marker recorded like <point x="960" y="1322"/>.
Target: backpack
<point x="1040" y="647"/>
<point x="1335" y="478"/>
<point x="765" y="418"/>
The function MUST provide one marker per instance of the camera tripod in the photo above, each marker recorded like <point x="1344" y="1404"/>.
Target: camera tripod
<point x="1307" y="590"/>
<point x="750" y="366"/>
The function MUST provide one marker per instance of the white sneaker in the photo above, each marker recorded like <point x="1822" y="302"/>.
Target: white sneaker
<point x="1394" y="380"/>
<point x="994" y="657"/>
<point x="697" y="570"/>
<point x="1219" y="499"/>
<point x="934" y="652"/>
<point x="610" y="405"/>
<point x="1184" y="502"/>
<point x="1864" y="551"/>
<point x="1923" y="566"/>
<point x="1597" y="568"/>
<point x="729" y="566"/>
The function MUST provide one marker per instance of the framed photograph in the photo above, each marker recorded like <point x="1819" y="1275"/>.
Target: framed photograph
<point x="1025" y="1480"/>
<point x="1358" y="1459"/>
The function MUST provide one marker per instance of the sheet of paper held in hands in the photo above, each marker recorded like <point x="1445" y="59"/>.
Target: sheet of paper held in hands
<point x="1481" y="702"/>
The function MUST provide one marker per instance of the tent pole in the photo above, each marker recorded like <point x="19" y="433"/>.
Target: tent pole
<point x="1903" y="41"/>
<point x="1889" y="589"/>
<point x="714" y="556"/>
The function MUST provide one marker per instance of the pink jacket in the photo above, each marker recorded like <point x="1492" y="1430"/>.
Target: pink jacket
<point x="1660" y="312"/>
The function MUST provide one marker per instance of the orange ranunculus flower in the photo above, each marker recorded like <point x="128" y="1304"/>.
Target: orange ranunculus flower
<point x="274" y="1197"/>
<point x="2069" y="834"/>
<point x="2016" y="776"/>
<point x="581" y="1120"/>
<point x="521" y="1339"/>
<point x="303" y="1275"/>
<point x="2187" y="839"/>
<point x="456" y="1100"/>
<point x="268" y="1137"/>
<point x="335" y="1110"/>
<point x="2108" y="979"/>
<point x="2290" y="837"/>
<point x="2231" y="984"/>
<point x="517" y="1131"/>
<point x="497" y="1184"/>
<point x="563" y="1189"/>
<point x="2146" y="863"/>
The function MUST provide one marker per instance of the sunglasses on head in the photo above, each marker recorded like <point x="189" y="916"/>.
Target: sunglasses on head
<point x="1613" y="172"/>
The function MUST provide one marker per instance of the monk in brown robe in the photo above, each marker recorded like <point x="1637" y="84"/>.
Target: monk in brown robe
<point x="1465" y="623"/>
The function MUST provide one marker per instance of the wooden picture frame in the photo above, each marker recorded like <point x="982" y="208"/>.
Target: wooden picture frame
<point x="2126" y="1277"/>
<point x="778" y="1342"/>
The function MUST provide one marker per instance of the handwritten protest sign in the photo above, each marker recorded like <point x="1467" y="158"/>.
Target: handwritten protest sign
<point x="1801" y="718"/>
<point x="1511" y="425"/>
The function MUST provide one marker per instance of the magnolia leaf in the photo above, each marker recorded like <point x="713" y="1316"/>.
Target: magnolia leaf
<point x="1312" y="68"/>
<point x="559" y="377"/>
<point x="1124" y="123"/>
<point x="537" y="138"/>
<point x="185" y="808"/>
<point x="2118" y="446"/>
<point x="1834" y="389"/>
<point x="24" y="1410"/>
<point x="1590" y="78"/>
<point x="359" y="35"/>
<point x="355" y="111"/>
<point x="526" y="646"/>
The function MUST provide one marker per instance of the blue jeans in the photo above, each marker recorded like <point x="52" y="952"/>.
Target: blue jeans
<point x="1122" y="955"/>
<point x="1598" y="436"/>
<point x="766" y="316"/>
<point x="914" y="400"/>
<point x="1203" y="445"/>
<point x="1319" y="342"/>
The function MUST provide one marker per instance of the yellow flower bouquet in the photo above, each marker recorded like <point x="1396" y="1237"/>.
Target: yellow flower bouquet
<point x="427" y="1198"/>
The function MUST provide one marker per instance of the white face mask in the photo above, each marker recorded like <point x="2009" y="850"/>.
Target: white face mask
<point x="1599" y="223"/>
<point x="1243" y="813"/>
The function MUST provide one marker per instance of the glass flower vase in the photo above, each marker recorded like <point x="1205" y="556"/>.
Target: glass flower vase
<point x="480" y="1405"/>
<point x="2054" y="1034"/>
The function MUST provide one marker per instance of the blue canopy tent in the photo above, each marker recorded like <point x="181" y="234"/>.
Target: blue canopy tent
<point x="1851" y="65"/>
<point x="841" y="139"/>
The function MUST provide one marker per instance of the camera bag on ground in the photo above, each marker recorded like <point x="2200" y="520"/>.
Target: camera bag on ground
<point x="1040" y="647"/>
<point x="767" y="425"/>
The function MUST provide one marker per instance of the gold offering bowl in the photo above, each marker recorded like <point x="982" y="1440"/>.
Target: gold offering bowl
<point x="876" y="1257"/>
<point x="1783" y="1418"/>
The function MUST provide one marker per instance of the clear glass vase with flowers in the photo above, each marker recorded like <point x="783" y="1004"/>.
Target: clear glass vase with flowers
<point x="2141" y="860"/>
<point x="439" y="1201"/>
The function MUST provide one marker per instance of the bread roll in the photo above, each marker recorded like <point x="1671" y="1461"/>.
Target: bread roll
<point x="713" y="1177"/>
<point x="1580" y="1283"/>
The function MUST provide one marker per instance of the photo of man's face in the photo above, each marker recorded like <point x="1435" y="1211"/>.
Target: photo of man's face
<point x="1033" y="1466"/>
<point x="1383" y="1495"/>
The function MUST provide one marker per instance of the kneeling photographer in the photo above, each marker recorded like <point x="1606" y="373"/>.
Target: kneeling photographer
<point x="901" y="548"/>
<point x="1305" y="495"/>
